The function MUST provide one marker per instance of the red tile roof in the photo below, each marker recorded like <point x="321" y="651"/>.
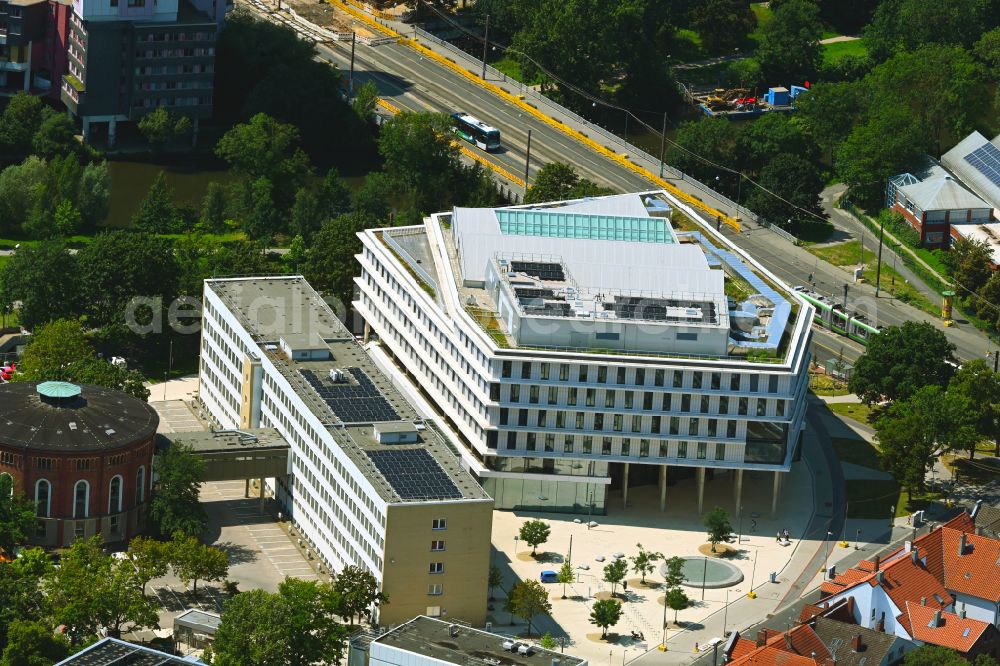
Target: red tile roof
<point x="955" y="632"/>
<point x="771" y="656"/>
<point x="743" y="647"/>
<point x="800" y="642"/>
<point x="977" y="571"/>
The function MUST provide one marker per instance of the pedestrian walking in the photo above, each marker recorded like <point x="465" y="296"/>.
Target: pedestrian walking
<point x="778" y="537"/>
<point x="753" y="526"/>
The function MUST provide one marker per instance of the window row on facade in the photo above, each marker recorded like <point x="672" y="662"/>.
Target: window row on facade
<point x="666" y="403"/>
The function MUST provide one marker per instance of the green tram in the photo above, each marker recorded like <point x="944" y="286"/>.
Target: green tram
<point x="832" y="316"/>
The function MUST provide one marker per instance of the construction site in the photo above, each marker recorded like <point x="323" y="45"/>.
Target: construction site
<point x="743" y="102"/>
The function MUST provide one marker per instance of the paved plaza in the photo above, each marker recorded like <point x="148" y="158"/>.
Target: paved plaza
<point x="676" y="531"/>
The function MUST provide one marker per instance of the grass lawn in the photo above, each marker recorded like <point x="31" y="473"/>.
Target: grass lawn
<point x="855" y="410"/>
<point x="821" y="384"/>
<point x="837" y="50"/>
<point x="763" y="14"/>
<point x="857" y="451"/>
<point x="849" y="254"/>
<point x="512" y="68"/>
<point x="686" y="46"/>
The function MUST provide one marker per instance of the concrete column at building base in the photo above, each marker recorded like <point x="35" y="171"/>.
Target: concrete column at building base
<point x="663" y="488"/>
<point x="112" y="132"/>
<point x="776" y="493"/>
<point x="246" y="490"/>
<point x="262" y="495"/>
<point x="194" y="132"/>
<point x="625" y="488"/>
<point x="368" y="331"/>
<point x="700" y="479"/>
<point x="86" y="130"/>
<point x="27" y="72"/>
<point x="737" y="489"/>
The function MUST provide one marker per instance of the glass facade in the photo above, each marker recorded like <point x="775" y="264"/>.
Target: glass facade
<point x="547" y="495"/>
<point x="551" y="224"/>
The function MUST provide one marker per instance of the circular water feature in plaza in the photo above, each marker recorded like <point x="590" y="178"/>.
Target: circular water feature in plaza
<point x="708" y="572"/>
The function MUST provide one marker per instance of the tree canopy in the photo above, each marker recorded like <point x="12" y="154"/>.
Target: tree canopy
<point x="534" y="533"/>
<point x="901" y="360"/>
<point x="718" y="525"/>
<point x="175" y="506"/>
<point x="527" y="599"/>
<point x="605" y="613"/>
<point x="557" y="181"/>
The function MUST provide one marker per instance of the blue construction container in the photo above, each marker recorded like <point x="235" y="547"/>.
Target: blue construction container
<point x="777" y="96"/>
<point x="798" y="90"/>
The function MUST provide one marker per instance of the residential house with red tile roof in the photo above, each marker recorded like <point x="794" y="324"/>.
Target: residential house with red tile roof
<point x="943" y="588"/>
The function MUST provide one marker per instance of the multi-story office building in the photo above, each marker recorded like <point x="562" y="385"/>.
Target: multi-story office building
<point x="369" y="483"/>
<point x="589" y="344"/>
<point x="128" y="57"/>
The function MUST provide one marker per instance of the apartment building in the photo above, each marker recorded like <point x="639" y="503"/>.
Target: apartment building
<point x="128" y="57"/>
<point x="33" y="36"/>
<point x="369" y="483"/>
<point x="591" y="345"/>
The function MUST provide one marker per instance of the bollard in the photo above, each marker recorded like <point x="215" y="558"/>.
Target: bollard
<point x="774" y="577"/>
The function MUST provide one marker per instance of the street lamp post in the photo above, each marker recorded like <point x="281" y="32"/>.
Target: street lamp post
<point x="739" y="537"/>
<point x="878" y="266"/>
<point x="892" y="518"/>
<point x="664" y="643"/>
<point x="753" y="571"/>
<point x="515" y="544"/>
<point x="486" y="43"/>
<point x="704" y="579"/>
<point x="857" y="539"/>
<point x="829" y="548"/>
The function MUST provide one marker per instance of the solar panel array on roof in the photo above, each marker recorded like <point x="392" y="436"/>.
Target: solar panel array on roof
<point x="114" y="653"/>
<point x="353" y="403"/>
<point x="414" y="474"/>
<point x="986" y="160"/>
<point x="543" y="270"/>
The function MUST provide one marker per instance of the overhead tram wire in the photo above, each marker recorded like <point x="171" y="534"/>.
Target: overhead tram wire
<point x="609" y="105"/>
<point x="819" y="219"/>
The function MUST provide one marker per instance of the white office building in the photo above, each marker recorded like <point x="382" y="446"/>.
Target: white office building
<point x="581" y="346"/>
<point x="369" y="483"/>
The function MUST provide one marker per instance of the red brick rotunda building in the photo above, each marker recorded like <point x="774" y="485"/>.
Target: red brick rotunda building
<point x="82" y="453"/>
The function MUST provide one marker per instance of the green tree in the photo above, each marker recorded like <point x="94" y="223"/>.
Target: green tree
<point x="294" y="627"/>
<point x="61" y="351"/>
<point x="969" y="264"/>
<point x="261" y="218"/>
<point x="191" y="561"/>
<point x="566" y="574"/>
<point x="927" y="83"/>
<point x="914" y="431"/>
<point x="90" y="590"/>
<point x="987" y="49"/>
<point x="18" y="124"/>
<point x="44" y="280"/>
<point x="119" y="266"/>
<point x="372" y="198"/>
<point x="267" y="148"/>
<point x="701" y="144"/>
<point x="19" y="186"/>
<point x="93" y="196"/>
<point x="151" y="559"/>
<point x="55" y="136"/>
<point x="605" y="613"/>
<point x="420" y="157"/>
<point x="789" y="48"/>
<point x="160" y="126"/>
<point x="614" y="573"/>
<point x="718" y="526"/>
<point x="307" y="214"/>
<point x="495" y="579"/>
<point x="330" y="263"/>
<point x="527" y="599"/>
<point x="901" y="360"/>
<point x="771" y="135"/>
<point x="789" y="188"/>
<point x="676" y="600"/>
<point x="557" y="181"/>
<point x="534" y="533"/>
<point x="365" y="100"/>
<point x="67" y="218"/>
<point x="157" y="213"/>
<point x="17" y="515"/>
<point x="213" y="208"/>
<point x="174" y="505"/>
<point x="934" y="655"/>
<point x="829" y="111"/>
<point x="722" y="24"/>
<point x="883" y="146"/>
<point x="33" y="643"/>
<point x="547" y="642"/>
<point x="674" y="576"/>
<point x="905" y="25"/>
<point x="980" y="386"/>
<point x="644" y="562"/>
<point x="21" y="591"/>
<point x="357" y="593"/>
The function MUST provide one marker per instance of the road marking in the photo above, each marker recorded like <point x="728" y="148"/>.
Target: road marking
<point x="519" y="101"/>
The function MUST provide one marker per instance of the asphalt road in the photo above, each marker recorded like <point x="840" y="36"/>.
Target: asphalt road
<point x="415" y="83"/>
